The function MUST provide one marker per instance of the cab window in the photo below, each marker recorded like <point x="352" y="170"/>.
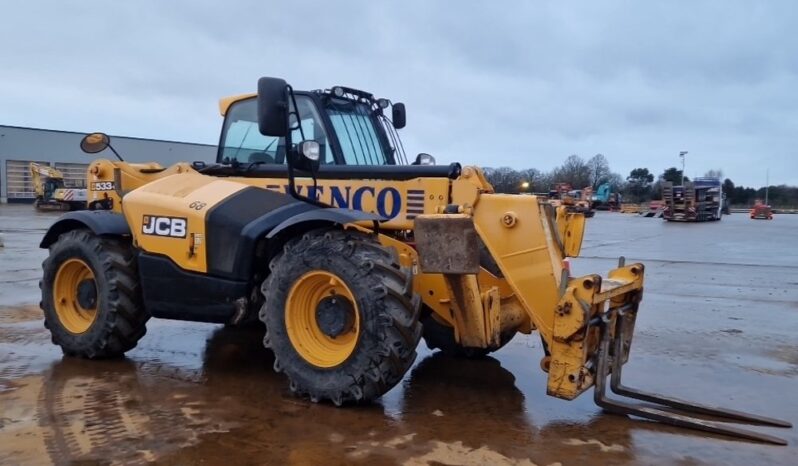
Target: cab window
<point x="243" y="142"/>
<point x="357" y="133"/>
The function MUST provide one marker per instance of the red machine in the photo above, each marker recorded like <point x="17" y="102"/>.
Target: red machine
<point x="761" y="211"/>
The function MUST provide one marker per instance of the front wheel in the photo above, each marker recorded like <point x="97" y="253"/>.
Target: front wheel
<point x="340" y="315"/>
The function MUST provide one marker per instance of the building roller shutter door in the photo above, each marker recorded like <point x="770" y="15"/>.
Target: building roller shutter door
<point x="19" y="185"/>
<point x="74" y="174"/>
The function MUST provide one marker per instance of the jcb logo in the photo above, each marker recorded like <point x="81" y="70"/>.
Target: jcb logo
<point x="173" y="227"/>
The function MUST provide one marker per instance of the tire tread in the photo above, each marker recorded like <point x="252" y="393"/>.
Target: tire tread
<point x="400" y="330"/>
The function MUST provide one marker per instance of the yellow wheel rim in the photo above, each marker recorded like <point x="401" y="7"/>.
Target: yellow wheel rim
<point x="322" y="319"/>
<point x="75" y="309"/>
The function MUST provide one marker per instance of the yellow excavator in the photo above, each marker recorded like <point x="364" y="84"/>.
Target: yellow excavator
<point x="51" y="194"/>
<point x="312" y="221"/>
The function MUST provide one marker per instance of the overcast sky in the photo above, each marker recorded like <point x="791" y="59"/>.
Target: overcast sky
<point x="490" y="83"/>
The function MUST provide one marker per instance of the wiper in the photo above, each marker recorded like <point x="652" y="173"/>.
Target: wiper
<point x="238" y="149"/>
<point x="251" y="165"/>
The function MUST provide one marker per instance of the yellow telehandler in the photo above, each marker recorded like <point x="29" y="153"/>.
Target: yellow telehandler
<point x="312" y="221"/>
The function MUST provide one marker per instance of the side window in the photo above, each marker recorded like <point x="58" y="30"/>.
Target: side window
<point x="312" y="128"/>
<point x="356" y="134"/>
<point x="243" y="142"/>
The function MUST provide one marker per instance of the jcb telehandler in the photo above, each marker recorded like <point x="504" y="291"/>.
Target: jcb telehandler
<point x="312" y="220"/>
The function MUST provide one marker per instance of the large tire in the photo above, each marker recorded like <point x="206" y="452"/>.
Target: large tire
<point x="105" y="316"/>
<point x="385" y="315"/>
<point x="441" y="336"/>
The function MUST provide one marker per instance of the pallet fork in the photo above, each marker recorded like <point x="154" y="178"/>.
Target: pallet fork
<point x="609" y="361"/>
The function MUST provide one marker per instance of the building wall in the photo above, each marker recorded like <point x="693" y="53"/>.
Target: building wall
<point x="61" y="149"/>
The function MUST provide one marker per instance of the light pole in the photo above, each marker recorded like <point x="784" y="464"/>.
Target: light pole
<point x="767" y="185"/>
<point x="682" y="154"/>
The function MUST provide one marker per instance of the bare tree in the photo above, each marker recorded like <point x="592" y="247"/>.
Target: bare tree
<point x="616" y="181"/>
<point x="573" y="171"/>
<point x="599" y="170"/>
<point x="714" y="174"/>
<point x="504" y="179"/>
<point x="535" y="179"/>
<point x="543" y="182"/>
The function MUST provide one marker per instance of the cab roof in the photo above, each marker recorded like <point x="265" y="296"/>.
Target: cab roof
<point x="226" y="102"/>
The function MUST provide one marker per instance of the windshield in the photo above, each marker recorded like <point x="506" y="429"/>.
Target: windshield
<point x="357" y="133"/>
<point x="243" y="142"/>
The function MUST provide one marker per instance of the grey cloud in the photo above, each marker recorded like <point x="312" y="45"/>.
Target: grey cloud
<point x="523" y="84"/>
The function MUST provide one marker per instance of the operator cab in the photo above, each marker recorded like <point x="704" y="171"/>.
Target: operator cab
<point x="350" y="127"/>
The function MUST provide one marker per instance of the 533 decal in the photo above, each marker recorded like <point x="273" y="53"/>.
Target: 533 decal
<point x="102" y="186"/>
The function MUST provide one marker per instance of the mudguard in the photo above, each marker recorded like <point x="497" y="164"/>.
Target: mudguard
<point x="236" y="226"/>
<point x="330" y="215"/>
<point x="100" y="222"/>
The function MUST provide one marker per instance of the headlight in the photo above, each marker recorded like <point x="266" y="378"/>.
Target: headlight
<point x="338" y="91"/>
<point x="383" y="103"/>
<point x="310" y="150"/>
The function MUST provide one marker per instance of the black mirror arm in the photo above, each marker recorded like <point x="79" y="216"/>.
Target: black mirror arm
<point x="292" y="153"/>
<point x="292" y="186"/>
<point x="115" y="153"/>
<point x="290" y="92"/>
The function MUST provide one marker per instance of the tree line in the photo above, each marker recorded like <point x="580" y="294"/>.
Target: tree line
<point x="641" y="185"/>
<point x="576" y="171"/>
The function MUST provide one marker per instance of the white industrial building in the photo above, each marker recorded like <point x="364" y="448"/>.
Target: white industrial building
<point x="61" y="149"/>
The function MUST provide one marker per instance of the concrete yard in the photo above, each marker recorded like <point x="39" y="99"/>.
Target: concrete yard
<point x="718" y="324"/>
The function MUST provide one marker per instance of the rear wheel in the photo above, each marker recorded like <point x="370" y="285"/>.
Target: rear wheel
<point x="91" y="297"/>
<point x="340" y="316"/>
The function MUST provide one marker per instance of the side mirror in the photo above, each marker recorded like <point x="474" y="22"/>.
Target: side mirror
<point x="93" y="143"/>
<point x="399" y="117"/>
<point x="272" y="106"/>
<point x="307" y="156"/>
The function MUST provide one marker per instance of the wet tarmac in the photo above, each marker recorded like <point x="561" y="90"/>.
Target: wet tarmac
<point x="718" y="324"/>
